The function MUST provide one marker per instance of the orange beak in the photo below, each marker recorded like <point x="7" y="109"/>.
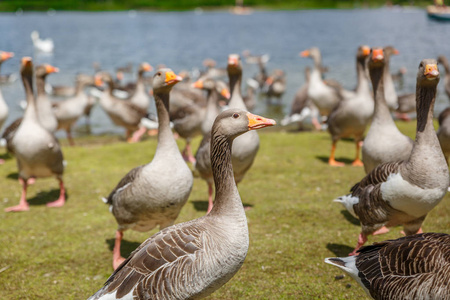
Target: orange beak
<point x="225" y="93"/>
<point x="304" y="53"/>
<point x="233" y="60"/>
<point x="366" y="50"/>
<point x="257" y="122"/>
<point x="377" y="54"/>
<point x="172" y="78"/>
<point x="147" y="67"/>
<point x="431" y="71"/>
<point x="198" y="84"/>
<point x="6" y="55"/>
<point x="51" y="69"/>
<point x="98" y="80"/>
<point x="269" y="80"/>
<point x="396" y="52"/>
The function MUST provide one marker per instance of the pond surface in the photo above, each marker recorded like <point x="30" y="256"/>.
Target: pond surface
<point x="182" y="40"/>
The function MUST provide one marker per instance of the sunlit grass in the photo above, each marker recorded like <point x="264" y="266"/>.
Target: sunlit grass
<point x="66" y="253"/>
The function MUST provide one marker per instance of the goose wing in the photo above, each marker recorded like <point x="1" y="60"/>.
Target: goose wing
<point x="155" y="269"/>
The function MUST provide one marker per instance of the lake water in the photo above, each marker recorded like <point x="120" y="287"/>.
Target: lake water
<point x="182" y="40"/>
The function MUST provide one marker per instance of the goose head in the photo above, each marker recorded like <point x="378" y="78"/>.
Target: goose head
<point x="234" y="122"/>
<point x="363" y="52"/>
<point x="390" y="50"/>
<point x="26" y="68"/>
<point x="376" y="58"/>
<point x="164" y="79"/>
<point x="234" y="64"/>
<point x="145" y="67"/>
<point x="428" y="73"/>
<point x="210" y="84"/>
<point x="5" y="55"/>
<point x="442" y="60"/>
<point x="45" y="69"/>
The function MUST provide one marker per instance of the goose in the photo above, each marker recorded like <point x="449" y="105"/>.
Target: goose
<point x="403" y="192"/>
<point x="443" y="132"/>
<point x="406" y="105"/>
<point x="444" y="62"/>
<point x="261" y="61"/>
<point x="43" y="108"/>
<point x="153" y="194"/>
<point x="324" y="96"/>
<point x="6" y="78"/>
<point x="211" y="70"/>
<point x="214" y="88"/>
<point x="42" y="45"/>
<point x="43" y="104"/>
<point x="246" y="146"/>
<point x="275" y="85"/>
<point x="249" y="98"/>
<point x="351" y="115"/>
<point x="389" y="87"/>
<point x="191" y="260"/>
<point x="302" y="106"/>
<point x="37" y="151"/>
<point x="122" y="113"/>
<point x="384" y="142"/>
<point x="411" y="267"/>
<point x="67" y="112"/>
<point x="139" y="97"/>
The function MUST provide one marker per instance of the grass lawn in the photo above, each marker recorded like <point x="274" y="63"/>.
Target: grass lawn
<point x="66" y="253"/>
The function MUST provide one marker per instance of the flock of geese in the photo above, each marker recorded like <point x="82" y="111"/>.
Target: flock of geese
<point x="405" y="179"/>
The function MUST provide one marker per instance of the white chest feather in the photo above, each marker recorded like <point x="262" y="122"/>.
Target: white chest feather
<point x="409" y="198"/>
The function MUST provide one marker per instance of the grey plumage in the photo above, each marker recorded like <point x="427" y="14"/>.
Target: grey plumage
<point x="193" y="259"/>
<point x="403" y="192"/>
<point x="412" y="267"/>
<point x="384" y="142"/>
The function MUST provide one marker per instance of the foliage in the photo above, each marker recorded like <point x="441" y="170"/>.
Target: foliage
<point x="103" y="5"/>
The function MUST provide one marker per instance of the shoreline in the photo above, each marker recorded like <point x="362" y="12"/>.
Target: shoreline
<point x="122" y="7"/>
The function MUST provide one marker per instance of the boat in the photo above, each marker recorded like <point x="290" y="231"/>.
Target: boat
<point x="440" y="13"/>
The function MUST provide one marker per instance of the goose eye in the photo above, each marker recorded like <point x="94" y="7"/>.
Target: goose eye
<point x="158" y="74"/>
<point x="235" y="115"/>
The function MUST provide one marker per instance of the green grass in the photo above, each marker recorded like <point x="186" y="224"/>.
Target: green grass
<point x="65" y="253"/>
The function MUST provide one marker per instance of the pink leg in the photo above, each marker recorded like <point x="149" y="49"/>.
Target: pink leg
<point x="23" y="204"/>
<point x="31" y="181"/>
<point x="117" y="258"/>
<point x="137" y="135"/>
<point x="210" y="200"/>
<point x="382" y="230"/>
<point x="69" y="137"/>
<point x="316" y="124"/>
<point x="362" y="239"/>
<point x="2" y="161"/>
<point x="418" y="231"/>
<point x="62" y="196"/>
<point x="191" y="157"/>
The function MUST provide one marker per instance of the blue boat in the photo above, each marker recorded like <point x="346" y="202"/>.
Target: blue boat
<point x="438" y="13"/>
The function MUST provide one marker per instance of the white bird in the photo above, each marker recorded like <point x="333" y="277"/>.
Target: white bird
<point x="42" y="45"/>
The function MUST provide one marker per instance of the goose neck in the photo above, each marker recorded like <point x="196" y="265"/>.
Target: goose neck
<point x="165" y="136"/>
<point x="40" y="85"/>
<point x="425" y="98"/>
<point x="30" y="112"/>
<point x="227" y="199"/>
<point x="363" y="82"/>
<point x="382" y="114"/>
<point x="211" y="110"/>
